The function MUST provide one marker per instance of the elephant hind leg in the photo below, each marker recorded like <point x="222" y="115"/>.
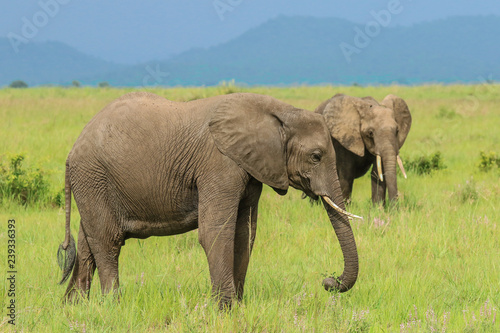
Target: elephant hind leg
<point x="105" y="239"/>
<point x="79" y="284"/>
<point x="107" y="266"/>
<point x="106" y="251"/>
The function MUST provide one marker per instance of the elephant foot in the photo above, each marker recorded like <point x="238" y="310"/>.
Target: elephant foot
<point x="225" y="303"/>
<point x="74" y="296"/>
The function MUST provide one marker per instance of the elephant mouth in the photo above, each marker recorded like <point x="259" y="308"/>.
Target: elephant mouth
<point x="340" y="210"/>
<point x="315" y="199"/>
<point x="309" y="194"/>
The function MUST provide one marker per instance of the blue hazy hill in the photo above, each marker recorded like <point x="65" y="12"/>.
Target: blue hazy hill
<point x="289" y="50"/>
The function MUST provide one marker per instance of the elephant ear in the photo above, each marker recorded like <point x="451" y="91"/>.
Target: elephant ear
<point x="401" y="114"/>
<point x="342" y="116"/>
<point x="321" y="108"/>
<point x="247" y="130"/>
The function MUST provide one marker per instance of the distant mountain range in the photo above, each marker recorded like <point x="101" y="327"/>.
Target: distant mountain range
<point x="286" y="51"/>
<point x="48" y="63"/>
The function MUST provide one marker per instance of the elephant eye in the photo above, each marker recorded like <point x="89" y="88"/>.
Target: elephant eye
<point x="316" y="157"/>
<point x="370" y="133"/>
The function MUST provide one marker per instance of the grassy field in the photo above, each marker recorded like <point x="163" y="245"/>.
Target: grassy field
<point x="431" y="264"/>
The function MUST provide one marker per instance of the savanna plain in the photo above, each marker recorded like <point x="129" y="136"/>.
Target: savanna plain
<point x="430" y="263"/>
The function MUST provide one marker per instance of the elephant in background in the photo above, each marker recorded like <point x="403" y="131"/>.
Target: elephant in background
<point x="146" y="166"/>
<point x="365" y="133"/>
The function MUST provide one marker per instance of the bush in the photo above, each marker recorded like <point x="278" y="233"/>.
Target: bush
<point x="76" y="84"/>
<point x="24" y="185"/>
<point x="447" y="113"/>
<point x="227" y="87"/>
<point x="58" y="199"/>
<point x="103" y="85"/>
<point x="426" y="164"/>
<point x="488" y="161"/>
<point x="18" y="84"/>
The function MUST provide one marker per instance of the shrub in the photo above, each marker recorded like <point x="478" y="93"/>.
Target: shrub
<point x="18" y="84"/>
<point x="488" y="161"/>
<point x="103" y="85"/>
<point x="24" y="185"/>
<point x="426" y="164"/>
<point x="76" y="84"/>
<point x="58" y="199"/>
<point x="447" y="113"/>
<point x="227" y="87"/>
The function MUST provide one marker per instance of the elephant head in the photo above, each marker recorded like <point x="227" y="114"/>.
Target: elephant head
<point x="362" y="125"/>
<point x="282" y="146"/>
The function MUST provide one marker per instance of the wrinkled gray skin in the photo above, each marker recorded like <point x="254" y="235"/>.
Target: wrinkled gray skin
<point x="146" y="166"/>
<point x="362" y="128"/>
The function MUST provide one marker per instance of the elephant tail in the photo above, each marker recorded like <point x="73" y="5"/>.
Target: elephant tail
<point x="66" y="254"/>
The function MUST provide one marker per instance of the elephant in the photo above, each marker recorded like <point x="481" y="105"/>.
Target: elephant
<point x="147" y="166"/>
<point x="365" y="133"/>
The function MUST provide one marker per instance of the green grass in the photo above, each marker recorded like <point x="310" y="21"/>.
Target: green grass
<point x="431" y="264"/>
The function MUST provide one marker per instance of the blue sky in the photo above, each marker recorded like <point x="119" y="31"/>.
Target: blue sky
<point x="129" y="31"/>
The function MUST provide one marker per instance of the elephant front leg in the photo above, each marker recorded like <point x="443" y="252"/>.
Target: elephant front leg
<point x="246" y="228"/>
<point x="216" y="236"/>
<point x="346" y="173"/>
<point x="378" y="187"/>
<point x="346" y="186"/>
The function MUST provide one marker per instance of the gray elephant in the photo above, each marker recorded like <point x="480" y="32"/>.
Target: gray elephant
<point x="146" y="166"/>
<point x="365" y="133"/>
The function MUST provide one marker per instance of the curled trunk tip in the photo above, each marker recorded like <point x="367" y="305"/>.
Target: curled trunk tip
<point x="337" y="284"/>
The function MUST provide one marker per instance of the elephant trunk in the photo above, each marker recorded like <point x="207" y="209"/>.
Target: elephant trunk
<point x="390" y="173"/>
<point x="344" y="233"/>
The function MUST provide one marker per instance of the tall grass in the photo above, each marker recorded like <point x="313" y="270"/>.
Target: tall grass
<point x="428" y="264"/>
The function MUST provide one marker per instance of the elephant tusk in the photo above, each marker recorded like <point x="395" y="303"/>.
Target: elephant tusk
<point x="400" y="163"/>
<point x="379" y="168"/>
<point x="340" y="210"/>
